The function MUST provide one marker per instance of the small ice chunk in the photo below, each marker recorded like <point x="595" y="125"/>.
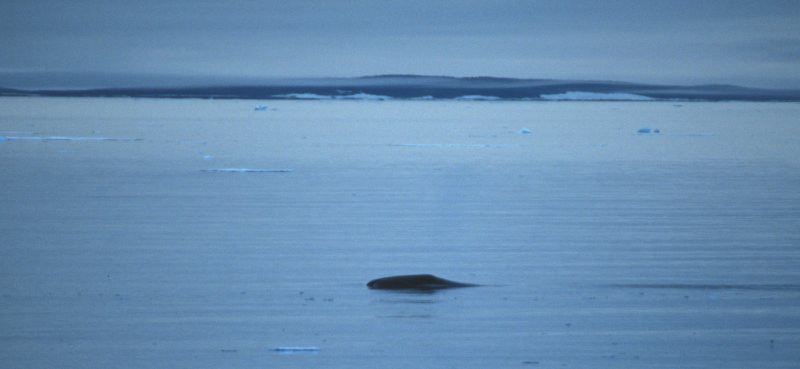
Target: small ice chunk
<point x="477" y="98"/>
<point x="644" y="130"/>
<point x="524" y="131"/>
<point x="260" y="108"/>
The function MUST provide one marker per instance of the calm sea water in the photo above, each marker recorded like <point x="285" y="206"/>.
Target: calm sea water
<point x="139" y="233"/>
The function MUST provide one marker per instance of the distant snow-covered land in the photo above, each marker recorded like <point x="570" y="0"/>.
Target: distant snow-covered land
<point x="413" y="87"/>
<point x="585" y="96"/>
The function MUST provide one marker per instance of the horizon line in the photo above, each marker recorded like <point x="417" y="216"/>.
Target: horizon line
<point x="221" y="81"/>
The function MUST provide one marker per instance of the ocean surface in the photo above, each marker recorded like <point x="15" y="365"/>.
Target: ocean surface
<point x="181" y="233"/>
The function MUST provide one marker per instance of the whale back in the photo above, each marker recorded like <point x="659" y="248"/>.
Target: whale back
<point x="424" y="282"/>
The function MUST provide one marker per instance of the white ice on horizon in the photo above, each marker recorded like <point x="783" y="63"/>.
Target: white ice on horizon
<point x="363" y="96"/>
<point x="583" y="96"/>
<point x="567" y="96"/>
<point x="304" y="96"/>
<point x="477" y="98"/>
<point x="312" y="96"/>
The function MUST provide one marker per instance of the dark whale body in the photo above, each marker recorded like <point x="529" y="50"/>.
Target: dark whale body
<point x="423" y="282"/>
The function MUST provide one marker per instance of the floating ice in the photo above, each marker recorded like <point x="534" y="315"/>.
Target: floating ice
<point x="426" y="97"/>
<point x="296" y="350"/>
<point x="579" y="95"/>
<point x="477" y="98"/>
<point x="524" y="131"/>
<point x="363" y="96"/>
<point x="260" y="108"/>
<point x="303" y="96"/>
<point x="248" y="170"/>
<point x="310" y="96"/>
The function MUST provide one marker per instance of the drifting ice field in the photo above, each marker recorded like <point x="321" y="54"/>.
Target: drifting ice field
<point x="143" y="233"/>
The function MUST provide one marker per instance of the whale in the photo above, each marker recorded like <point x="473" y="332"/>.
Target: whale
<point x="421" y="282"/>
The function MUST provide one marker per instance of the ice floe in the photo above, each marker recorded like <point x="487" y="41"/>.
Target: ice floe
<point x="260" y="108"/>
<point x="524" y="131"/>
<point x="566" y="96"/>
<point x="579" y="96"/>
<point x="303" y="96"/>
<point x="356" y="96"/>
<point x="477" y="98"/>
<point x="248" y="170"/>
<point x="363" y="96"/>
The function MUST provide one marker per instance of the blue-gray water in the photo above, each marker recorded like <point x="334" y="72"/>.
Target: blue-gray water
<point x="140" y="233"/>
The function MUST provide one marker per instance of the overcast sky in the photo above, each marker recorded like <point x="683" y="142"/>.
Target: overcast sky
<point x="751" y="43"/>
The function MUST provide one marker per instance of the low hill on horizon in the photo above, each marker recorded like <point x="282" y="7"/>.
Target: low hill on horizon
<point x="383" y="87"/>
